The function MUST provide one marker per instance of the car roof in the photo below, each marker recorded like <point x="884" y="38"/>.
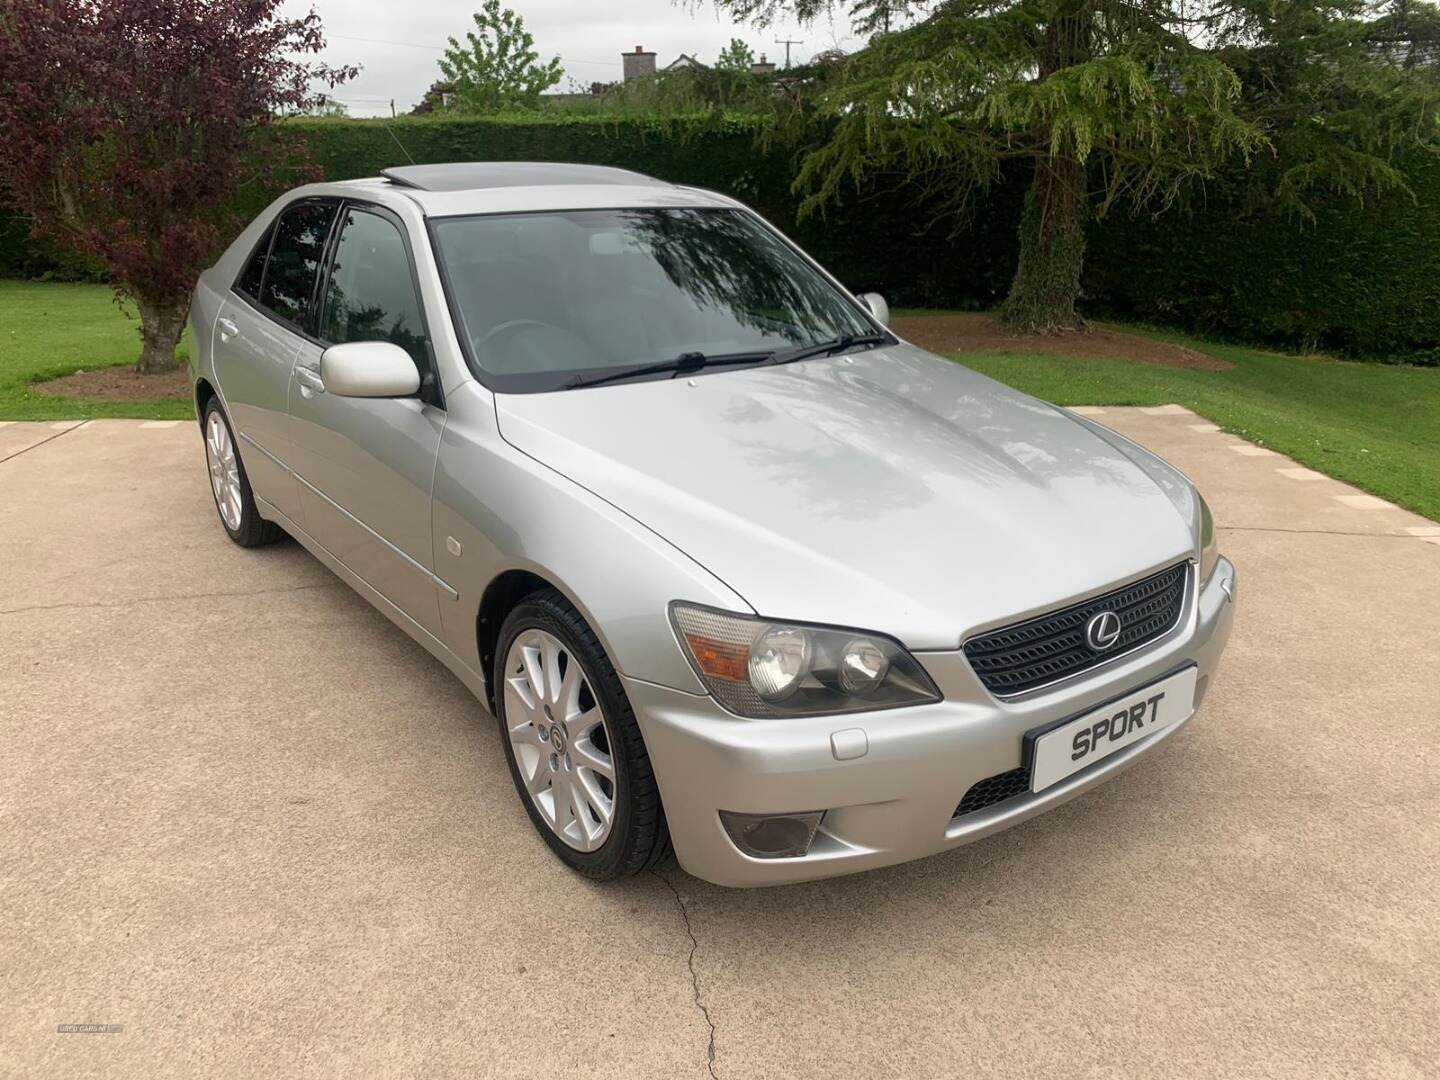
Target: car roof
<point x="458" y="189"/>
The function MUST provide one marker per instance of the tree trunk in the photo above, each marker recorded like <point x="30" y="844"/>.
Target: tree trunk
<point x="1052" y="251"/>
<point x="1052" y="227"/>
<point x="160" y="328"/>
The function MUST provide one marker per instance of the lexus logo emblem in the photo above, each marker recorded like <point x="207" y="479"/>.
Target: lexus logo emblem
<point x="1102" y="631"/>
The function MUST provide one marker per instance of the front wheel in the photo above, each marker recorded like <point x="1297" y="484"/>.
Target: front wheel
<point x="575" y="750"/>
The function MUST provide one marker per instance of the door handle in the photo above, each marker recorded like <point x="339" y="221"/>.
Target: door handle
<point x="309" y="378"/>
<point x="227" y="329"/>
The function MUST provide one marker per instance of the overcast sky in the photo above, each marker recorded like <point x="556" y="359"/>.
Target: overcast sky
<point x="402" y="42"/>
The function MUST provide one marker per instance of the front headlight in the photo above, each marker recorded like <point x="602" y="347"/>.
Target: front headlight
<point x="1209" y="542"/>
<point x="763" y="669"/>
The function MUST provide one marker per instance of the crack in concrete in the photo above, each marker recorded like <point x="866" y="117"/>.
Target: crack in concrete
<point x="163" y="599"/>
<point x="694" y="974"/>
<point x="42" y="442"/>
<point x="1314" y="532"/>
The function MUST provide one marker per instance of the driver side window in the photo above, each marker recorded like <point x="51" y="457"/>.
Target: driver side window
<point x="370" y="293"/>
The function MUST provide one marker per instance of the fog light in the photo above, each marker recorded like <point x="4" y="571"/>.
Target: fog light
<point x="772" y="836"/>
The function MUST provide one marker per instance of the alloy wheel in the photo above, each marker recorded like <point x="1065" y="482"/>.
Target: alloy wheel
<point x="224" y="471"/>
<point x="561" y="741"/>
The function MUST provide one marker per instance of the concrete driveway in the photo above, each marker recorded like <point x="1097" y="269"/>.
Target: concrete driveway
<point x="245" y="818"/>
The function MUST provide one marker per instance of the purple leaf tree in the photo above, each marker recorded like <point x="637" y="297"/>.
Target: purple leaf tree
<point x="129" y="127"/>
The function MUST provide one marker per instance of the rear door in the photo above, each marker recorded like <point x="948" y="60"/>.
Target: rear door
<point x="258" y="333"/>
<point x="366" y="465"/>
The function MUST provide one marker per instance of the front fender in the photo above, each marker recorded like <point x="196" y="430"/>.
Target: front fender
<point x="506" y="511"/>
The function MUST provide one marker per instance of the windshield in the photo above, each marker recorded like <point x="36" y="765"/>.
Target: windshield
<point x="542" y="298"/>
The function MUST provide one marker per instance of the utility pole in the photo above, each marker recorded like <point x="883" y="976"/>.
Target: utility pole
<point x="392" y="108"/>
<point x="787" y="42"/>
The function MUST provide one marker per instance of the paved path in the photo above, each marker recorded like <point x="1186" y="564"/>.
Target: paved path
<point x="246" y="818"/>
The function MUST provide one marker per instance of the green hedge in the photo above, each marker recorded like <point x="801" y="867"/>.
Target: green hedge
<point x="887" y="243"/>
<point x="1363" y="280"/>
<point x="21" y="257"/>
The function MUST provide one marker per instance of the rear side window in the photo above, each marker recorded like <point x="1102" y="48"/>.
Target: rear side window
<point x="295" y="258"/>
<point x="370" y="295"/>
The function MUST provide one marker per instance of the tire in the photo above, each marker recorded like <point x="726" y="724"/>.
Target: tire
<point x="566" y="756"/>
<point x="234" y="501"/>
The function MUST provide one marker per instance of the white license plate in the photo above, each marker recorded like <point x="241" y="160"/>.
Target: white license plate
<point x="1079" y="743"/>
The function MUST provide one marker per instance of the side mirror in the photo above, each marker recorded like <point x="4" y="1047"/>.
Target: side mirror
<point x="369" y="369"/>
<point x="876" y="305"/>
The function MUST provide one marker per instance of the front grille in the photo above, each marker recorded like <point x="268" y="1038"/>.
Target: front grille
<point x="994" y="789"/>
<point x="1042" y="650"/>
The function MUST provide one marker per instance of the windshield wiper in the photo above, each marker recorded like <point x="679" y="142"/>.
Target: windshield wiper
<point x="681" y="365"/>
<point x="694" y="361"/>
<point x="828" y="348"/>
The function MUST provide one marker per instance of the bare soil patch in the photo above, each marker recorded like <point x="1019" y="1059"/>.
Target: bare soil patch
<point x="976" y="332"/>
<point x="120" y="384"/>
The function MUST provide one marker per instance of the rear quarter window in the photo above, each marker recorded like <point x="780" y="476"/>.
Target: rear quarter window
<point x="254" y="272"/>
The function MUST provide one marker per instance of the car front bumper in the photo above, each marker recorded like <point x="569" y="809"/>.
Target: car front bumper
<point x="897" y="801"/>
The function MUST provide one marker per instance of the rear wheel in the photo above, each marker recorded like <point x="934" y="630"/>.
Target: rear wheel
<point x="234" y="501"/>
<point x="575" y="750"/>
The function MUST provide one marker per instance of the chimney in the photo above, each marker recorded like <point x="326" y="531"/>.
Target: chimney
<point x="763" y="67"/>
<point x="638" y="64"/>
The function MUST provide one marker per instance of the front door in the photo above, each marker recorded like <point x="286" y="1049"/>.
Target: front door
<point x="365" y="465"/>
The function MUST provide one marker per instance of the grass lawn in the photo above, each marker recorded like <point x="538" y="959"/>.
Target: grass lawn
<point x="47" y="330"/>
<point x="1376" y="426"/>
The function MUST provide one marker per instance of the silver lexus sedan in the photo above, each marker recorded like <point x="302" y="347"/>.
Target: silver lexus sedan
<point x="735" y="568"/>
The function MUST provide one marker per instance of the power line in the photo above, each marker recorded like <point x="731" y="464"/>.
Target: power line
<point x="443" y="48"/>
<point x="381" y="41"/>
